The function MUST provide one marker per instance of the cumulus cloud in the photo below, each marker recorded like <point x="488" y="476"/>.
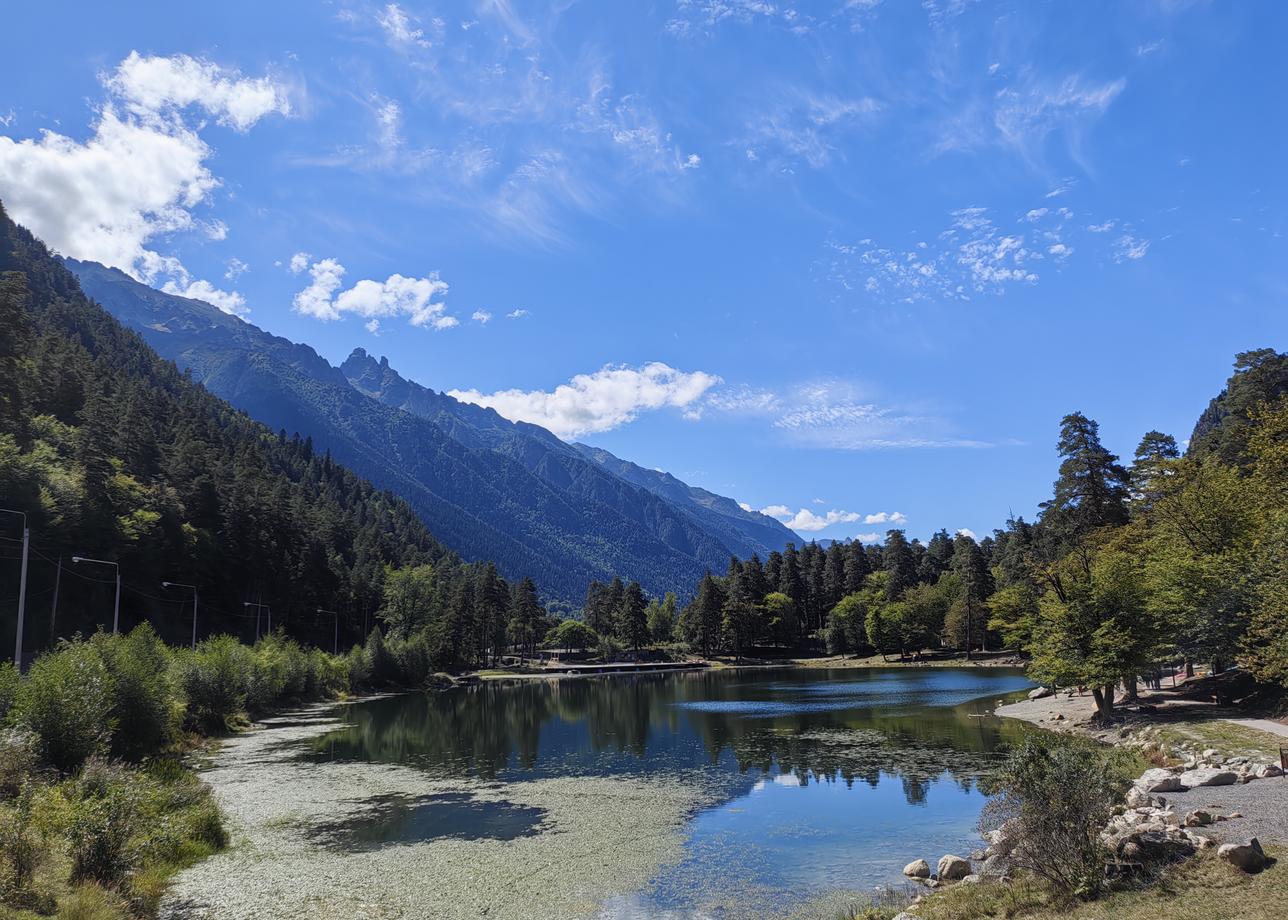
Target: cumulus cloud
<point x="516" y="314"/>
<point x="606" y="399"/>
<point x="397" y="295"/>
<point x="142" y="171"/>
<point x="886" y="517"/>
<point x="806" y="520"/>
<point x="966" y="532"/>
<point x="481" y="316"/>
<point x="228" y="301"/>
<point x="160" y="86"/>
<point x="299" y="262"/>
<point x="235" y="269"/>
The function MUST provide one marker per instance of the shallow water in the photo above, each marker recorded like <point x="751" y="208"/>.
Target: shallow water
<point x="822" y="780"/>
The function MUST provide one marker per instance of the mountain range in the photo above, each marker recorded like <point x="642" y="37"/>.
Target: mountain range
<point x="489" y="488"/>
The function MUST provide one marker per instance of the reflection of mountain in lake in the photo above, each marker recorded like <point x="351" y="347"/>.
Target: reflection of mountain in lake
<point x="839" y="725"/>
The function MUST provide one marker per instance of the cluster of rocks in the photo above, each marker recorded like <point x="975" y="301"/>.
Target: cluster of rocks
<point x="1147" y="830"/>
<point x="1245" y="769"/>
<point x="951" y="868"/>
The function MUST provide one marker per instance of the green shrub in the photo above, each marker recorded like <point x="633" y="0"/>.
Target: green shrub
<point x="1057" y="794"/>
<point x="358" y="666"/>
<point x="9" y="680"/>
<point x="92" y="902"/>
<point x="19" y="761"/>
<point x="20" y="853"/>
<point x="103" y="819"/>
<point x="144" y="700"/>
<point x="66" y="701"/>
<point x="215" y="678"/>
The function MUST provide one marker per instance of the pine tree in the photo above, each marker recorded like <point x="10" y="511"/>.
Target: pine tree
<point x="632" y="617"/>
<point x="1091" y="491"/>
<point x="899" y="564"/>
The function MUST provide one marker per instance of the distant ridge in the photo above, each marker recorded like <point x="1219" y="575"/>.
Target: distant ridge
<point x="487" y="487"/>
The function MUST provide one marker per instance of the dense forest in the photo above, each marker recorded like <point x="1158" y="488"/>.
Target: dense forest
<point x="115" y="455"/>
<point x="1171" y="557"/>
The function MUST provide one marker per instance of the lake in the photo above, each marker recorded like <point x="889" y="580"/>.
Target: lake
<point x="813" y="780"/>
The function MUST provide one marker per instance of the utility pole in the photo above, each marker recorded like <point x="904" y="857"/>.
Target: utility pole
<point x="22" y="589"/>
<point x="258" y="607"/>
<point x="193" y="588"/>
<point x="335" y="648"/>
<point x="116" y="609"/>
<point x="53" y="609"/>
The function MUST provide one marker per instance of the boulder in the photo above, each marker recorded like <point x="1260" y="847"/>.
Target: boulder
<point x="1139" y="798"/>
<point x="1003" y="840"/>
<point x="1207" y="776"/>
<point x="994" y="867"/>
<point x="903" y="915"/>
<point x="1159" y="780"/>
<point x="1040" y="692"/>
<point x="1154" y="847"/>
<point x="952" y="868"/>
<point x="1267" y="770"/>
<point x="1246" y="856"/>
<point x="918" y="868"/>
<point x="1198" y="818"/>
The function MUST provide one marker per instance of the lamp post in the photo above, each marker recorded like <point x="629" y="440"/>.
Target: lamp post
<point x="335" y="648"/>
<point x="258" y="607"/>
<point x="116" y="609"/>
<point x="22" y="589"/>
<point x="193" y="588"/>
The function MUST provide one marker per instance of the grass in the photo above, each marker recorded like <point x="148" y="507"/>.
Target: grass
<point x="1204" y="888"/>
<point x="985" y="660"/>
<point x="1229" y="738"/>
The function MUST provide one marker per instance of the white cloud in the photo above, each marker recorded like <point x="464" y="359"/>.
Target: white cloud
<point x="868" y="537"/>
<point x="745" y="507"/>
<point x="299" y="262"/>
<point x="228" y="301"/>
<point x="398" y="295"/>
<point x="808" y="521"/>
<point x="886" y="517"/>
<point x="966" y="532"/>
<point x="804" y="128"/>
<point x="481" y="316"/>
<point x="606" y="399"/>
<point x="1035" y="214"/>
<point x="1149" y="47"/>
<point x="235" y="269"/>
<point x="141" y="172"/>
<point x="1104" y="227"/>
<point x="159" y="86"/>
<point x="516" y="314"/>
<point x="399" y="29"/>
<point x="1024" y="117"/>
<point x="1130" y="248"/>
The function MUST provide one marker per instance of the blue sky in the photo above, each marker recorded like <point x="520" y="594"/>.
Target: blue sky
<point x="847" y="260"/>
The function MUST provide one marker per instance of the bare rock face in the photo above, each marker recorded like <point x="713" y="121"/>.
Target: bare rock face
<point x="1159" y="780"/>
<point x="1267" y="770"/>
<point x="1246" y="856"/>
<point x="953" y="868"/>
<point x="918" y="868"/>
<point x="1040" y="693"/>
<point x="1208" y="776"/>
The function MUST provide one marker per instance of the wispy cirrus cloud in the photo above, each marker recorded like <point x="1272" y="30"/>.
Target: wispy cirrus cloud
<point x="977" y="254"/>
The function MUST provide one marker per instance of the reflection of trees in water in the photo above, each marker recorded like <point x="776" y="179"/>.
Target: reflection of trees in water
<point x="620" y="725"/>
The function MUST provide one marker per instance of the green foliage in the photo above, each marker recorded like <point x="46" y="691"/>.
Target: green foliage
<point x="19" y="761"/>
<point x="847" y="626"/>
<point x="66" y="701"/>
<point x="215" y="678"/>
<point x="8" y="688"/>
<point x="145" y="710"/>
<point x="1057" y="794"/>
<point x="409" y="599"/>
<point x="571" y="634"/>
<point x="104" y="818"/>
<point x="662" y="618"/>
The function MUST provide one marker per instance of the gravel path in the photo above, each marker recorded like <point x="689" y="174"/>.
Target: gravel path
<point x="1262" y="802"/>
<point x="1265" y="725"/>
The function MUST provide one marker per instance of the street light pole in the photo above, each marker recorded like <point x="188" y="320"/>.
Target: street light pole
<point x="116" y="609"/>
<point x="258" y="607"/>
<point x="22" y="589"/>
<point x="179" y="584"/>
<point x="335" y="648"/>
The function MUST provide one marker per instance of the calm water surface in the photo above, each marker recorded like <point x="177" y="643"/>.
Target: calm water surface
<point x="825" y="779"/>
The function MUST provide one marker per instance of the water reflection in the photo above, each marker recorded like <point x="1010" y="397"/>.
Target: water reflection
<point x="843" y="726"/>
<point x="391" y="819"/>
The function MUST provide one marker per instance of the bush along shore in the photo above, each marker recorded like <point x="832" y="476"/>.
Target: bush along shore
<point x="1069" y="824"/>
<point x="98" y="808"/>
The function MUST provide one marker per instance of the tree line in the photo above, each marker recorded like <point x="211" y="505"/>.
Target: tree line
<point x="1171" y="557"/>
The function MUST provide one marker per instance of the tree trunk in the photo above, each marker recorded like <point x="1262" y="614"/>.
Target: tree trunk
<point x="1217" y="666"/>
<point x="1189" y="669"/>
<point x="1104" y="697"/>
<point x="1130" y="691"/>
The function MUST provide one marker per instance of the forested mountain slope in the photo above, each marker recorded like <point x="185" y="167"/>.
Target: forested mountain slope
<point x="486" y="487"/>
<point x="114" y="454"/>
<point x="590" y="471"/>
